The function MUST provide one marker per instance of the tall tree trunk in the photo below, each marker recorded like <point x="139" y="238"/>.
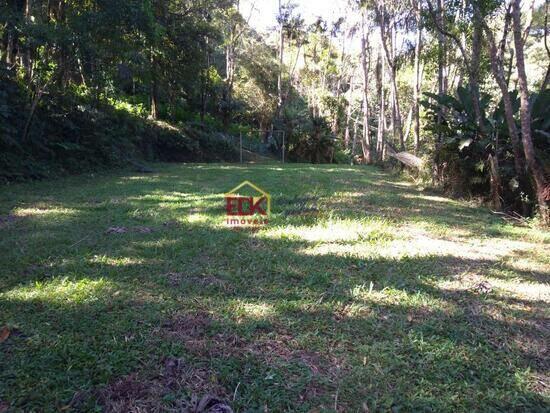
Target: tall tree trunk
<point x="62" y="55"/>
<point x="417" y="86"/>
<point x="281" y="62"/>
<point x="543" y="189"/>
<point x="205" y="82"/>
<point x="380" y="78"/>
<point x="365" y="63"/>
<point x="497" y="67"/>
<point x="440" y="69"/>
<point x="396" y="117"/>
<point x="474" y="68"/>
<point x="229" y="79"/>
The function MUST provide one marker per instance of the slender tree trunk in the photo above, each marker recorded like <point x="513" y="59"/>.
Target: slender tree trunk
<point x="546" y="79"/>
<point x="380" y="144"/>
<point x="348" y="112"/>
<point x="229" y="79"/>
<point x="396" y="117"/>
<point x="474" y="69"/>
<point x="63" y="53"/>
<point x="396" y="111"/>
<point x="440" y="68"/>
<point x="408" y="124"/>
<point x="496" y="185"/>
<point x="543" y="189"/>
<point x="154" y="99"/>
<point x="3" y="46"/>
<point x="281" y="62"/>
<point x="27" y="60"/>
<point x="10" y="44"/>
<point x="417" y="85"/>
<point x="153" y="89"/>
<point x="205" y="83"/>
<point x="354" y="143"/>
<point x="365" y="63"/>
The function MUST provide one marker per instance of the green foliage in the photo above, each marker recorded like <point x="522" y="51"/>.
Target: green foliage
<point x="465" y="149"/>
<point x="309" y="137"/>
<point x="70" y="134"/>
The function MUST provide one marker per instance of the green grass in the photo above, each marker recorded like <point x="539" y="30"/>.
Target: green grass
<point x="362" y="293"/>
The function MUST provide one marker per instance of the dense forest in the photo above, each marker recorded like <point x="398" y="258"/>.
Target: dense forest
<point x="454" y="92"/>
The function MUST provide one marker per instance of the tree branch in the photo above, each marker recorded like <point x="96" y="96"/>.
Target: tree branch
<point x="447" y="33"/>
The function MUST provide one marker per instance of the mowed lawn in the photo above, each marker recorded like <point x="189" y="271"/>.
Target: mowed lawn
<point x="127" y="292"/>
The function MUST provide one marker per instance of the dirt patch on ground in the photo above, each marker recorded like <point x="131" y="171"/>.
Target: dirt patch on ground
<point x="193" y="330"/>
<point x="127" y="394"/>
<point x="187" y="326"/>
<point x="200" y="337"/>
<point x="136" y="393"/>
<point x="175" y="279"/>
<point x="177" y="374"/>
<point x="172" y="224"/>
<point x="124" y="230"/>
<point x="419" y="315"/>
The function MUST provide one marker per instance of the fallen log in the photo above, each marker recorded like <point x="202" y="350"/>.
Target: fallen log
<point x="406" y="158"/>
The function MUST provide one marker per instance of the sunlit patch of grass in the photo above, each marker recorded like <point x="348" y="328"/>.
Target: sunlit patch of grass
<point x="254" y="310"/>
<point x="63" y="291"/>
<point x="116" y="261"/>
<point x="51" y="212"/>
<point x="198" y="218"/>
<point x="333" y="230"/>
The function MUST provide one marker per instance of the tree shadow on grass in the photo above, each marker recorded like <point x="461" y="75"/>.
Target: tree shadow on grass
<point x="375" y="349"/>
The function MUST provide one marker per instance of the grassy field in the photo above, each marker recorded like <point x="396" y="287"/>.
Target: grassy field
<point x="127" y="292"/>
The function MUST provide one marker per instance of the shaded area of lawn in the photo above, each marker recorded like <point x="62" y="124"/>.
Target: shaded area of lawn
<point x="363" y="291"/>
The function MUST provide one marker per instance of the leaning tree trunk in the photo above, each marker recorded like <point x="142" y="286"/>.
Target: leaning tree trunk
<point x="542" y="186"/>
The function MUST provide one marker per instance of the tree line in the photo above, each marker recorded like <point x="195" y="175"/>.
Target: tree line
<point x="457" y="90"/>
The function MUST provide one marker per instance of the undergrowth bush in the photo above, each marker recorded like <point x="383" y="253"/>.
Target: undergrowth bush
<point x="72" y="133"/>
